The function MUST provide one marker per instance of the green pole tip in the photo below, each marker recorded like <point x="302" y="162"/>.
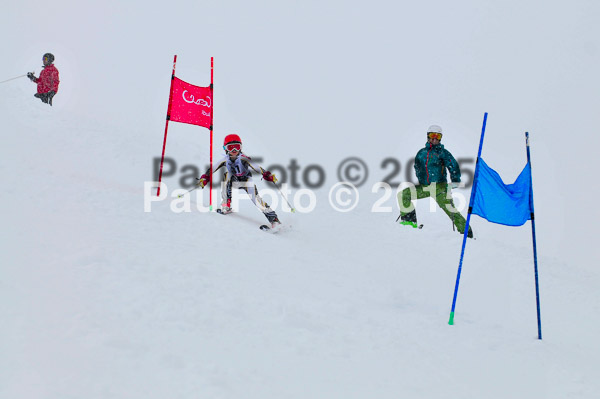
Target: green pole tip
<point x="210" y="208"/>
<point x="451" y="321"/>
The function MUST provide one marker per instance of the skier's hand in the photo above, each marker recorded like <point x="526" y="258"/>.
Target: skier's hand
<point x="31" y="76"/>
<point x="203" y="181"/>
<point x="268" y="176"/>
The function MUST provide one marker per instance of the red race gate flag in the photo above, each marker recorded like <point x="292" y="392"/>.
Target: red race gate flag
<point x="191" y="104"/>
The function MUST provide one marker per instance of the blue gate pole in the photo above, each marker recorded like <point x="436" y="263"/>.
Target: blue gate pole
<point x="535" y="265"/>
<point x="462" y="252"/>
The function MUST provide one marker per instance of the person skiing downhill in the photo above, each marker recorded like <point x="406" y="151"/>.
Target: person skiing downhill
<point x="47" y="83"/>
<point x="431" y="163"/>
<point x="239" y="175"/>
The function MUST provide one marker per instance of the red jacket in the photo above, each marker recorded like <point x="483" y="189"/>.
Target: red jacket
<point x="48" y="80"/>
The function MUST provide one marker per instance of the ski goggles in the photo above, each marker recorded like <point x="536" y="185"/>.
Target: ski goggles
<point x="437" y="136"/>
<point x="233" y="147"/>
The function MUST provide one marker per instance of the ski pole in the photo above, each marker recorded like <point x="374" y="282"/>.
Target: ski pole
<point x="190" y="190"/>
<point x="283" y="196"/>
<point x="8" y="80"/>
<point x="187" y="192"/>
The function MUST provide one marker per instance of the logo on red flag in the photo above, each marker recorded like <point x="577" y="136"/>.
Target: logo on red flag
<point x="191" y="104"/>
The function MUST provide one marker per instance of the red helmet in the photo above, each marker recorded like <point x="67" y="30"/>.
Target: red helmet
<point x="232" y="139"/>
<point x="231" y="142"/>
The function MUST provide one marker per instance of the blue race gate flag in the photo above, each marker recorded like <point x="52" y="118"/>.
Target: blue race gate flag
<point x="506" y="204"/>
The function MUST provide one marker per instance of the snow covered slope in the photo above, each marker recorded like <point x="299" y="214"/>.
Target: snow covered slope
<point x="99" y="299"/>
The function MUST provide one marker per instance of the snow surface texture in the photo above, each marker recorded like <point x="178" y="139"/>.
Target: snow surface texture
<point x="99" y="299"/>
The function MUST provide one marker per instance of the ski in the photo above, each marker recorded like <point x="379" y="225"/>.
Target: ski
<point x="274" y="230"/>
<point x="263" y="227"/>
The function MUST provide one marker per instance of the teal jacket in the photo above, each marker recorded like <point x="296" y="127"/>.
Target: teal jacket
<point x="431" y="163"/>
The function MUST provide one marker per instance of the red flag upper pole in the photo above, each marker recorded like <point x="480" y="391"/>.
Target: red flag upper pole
<point x="166" y="126"/>
<point x="211" y="127"/>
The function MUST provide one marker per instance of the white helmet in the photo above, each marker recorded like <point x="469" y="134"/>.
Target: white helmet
<point x="434" y="129"/>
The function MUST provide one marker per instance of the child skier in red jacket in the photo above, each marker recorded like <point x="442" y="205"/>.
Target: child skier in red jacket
<point x="47" y="83"/>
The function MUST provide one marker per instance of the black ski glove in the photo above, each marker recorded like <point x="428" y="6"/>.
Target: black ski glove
<point x="31" y="76"/>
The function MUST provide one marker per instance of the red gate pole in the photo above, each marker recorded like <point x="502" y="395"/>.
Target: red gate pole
<point x="212" y="112"/>
<point x="166" y="126"/>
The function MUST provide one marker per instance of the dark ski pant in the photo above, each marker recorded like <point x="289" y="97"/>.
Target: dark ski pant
<point x="442" y="197"/>
<point x="45" y="97"/>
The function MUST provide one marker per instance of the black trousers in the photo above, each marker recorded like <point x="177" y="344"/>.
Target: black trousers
<point x="45" y="97"/>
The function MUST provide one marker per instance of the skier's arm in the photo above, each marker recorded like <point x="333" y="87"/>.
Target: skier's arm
<point x="255" y="167"/>
<point x="268" y="176"/>
<point x="418" y="165"/>
<point x="452" y="166"/>
<point x="55" y="81"/>
<point x="46" y="79"/>
<point x="206" y="177"/>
